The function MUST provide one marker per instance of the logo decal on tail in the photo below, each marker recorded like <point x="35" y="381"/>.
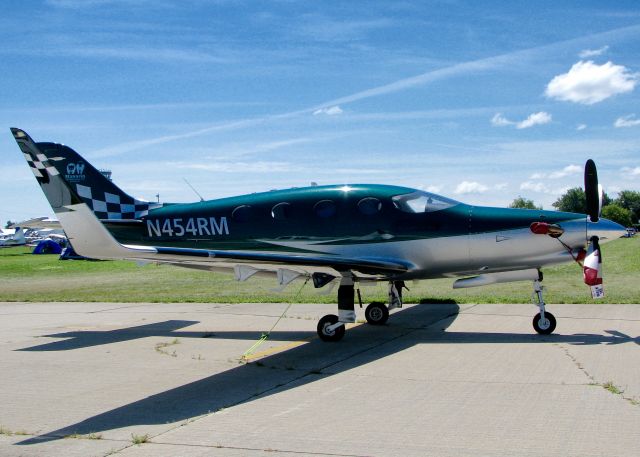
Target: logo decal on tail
<point x="75" y="172"/>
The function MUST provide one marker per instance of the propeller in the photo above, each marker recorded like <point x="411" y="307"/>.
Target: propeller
<point x="592" y="266"/>
<point x="592" y="190"/>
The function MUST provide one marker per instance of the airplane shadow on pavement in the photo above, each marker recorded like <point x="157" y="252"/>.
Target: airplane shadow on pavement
<point x="285" y="370"/>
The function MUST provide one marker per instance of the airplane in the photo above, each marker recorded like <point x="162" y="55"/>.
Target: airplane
<point x="16" y="238"/>
<point x="345" y="234"/>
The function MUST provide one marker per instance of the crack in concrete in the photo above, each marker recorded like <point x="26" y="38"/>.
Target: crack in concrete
<point x="609" y="385"/>
<point x="244" y="448"/>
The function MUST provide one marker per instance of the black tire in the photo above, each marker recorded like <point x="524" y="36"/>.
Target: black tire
<point x="326" y="321"/>
<point x="544" y="328"/>
<point x="376" y="313"/>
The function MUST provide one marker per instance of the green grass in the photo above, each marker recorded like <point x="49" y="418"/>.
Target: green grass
<point x="26" y="277"/>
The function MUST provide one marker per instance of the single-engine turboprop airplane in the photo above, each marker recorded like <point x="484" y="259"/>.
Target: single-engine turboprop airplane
<point x="347" y="233"/>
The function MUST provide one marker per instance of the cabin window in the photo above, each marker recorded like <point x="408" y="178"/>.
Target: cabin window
<point x="281" y="211"/>
<point x="242" y="213"/>
<point x="422" y="202"/>
<point x="369" y="206"/>
<point x="325" y="208"/>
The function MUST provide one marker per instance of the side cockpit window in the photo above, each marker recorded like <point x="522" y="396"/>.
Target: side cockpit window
<point x="422" y="202"/>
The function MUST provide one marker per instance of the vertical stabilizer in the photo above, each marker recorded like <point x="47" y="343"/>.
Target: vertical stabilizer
<point x="51" y="162"/>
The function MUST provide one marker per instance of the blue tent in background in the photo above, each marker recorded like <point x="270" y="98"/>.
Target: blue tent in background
<point x="47" y="247"/>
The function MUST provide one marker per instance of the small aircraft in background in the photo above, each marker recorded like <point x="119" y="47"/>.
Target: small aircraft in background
<point x="342" y="233"/>
<point x="41" y="228"/>
<point x="16" y="238"/>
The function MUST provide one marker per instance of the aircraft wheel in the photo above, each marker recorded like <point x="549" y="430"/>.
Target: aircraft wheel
<point x="546" y="326"/>
<point x="376" y="313"/>
<point x="327" y="335"/>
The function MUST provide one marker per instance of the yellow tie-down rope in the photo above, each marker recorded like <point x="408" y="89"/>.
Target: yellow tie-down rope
<point x="265" y="336"/>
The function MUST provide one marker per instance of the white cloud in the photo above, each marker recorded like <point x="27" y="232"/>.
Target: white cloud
<point x="542" y="188"/>
<point x="566" y="171"/>
<point x="434" y="189"/>
<point x="586" y="53"/>
<point x="498" y="120"/>
<point x="626" y="121"/>
<point x="470" y="187"/>
<point x="589" y="83"/>
<point x="534" y="119"/>
<point x="631" y="171"/>
<point x="329" y="111"/>
<point x="581" y="127"/>
<point x="534" y="186"/>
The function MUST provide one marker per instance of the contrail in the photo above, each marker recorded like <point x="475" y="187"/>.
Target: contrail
<point x="473" y="66"/>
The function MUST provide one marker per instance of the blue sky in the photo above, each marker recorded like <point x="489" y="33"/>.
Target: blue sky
<point x="478" y="101"/>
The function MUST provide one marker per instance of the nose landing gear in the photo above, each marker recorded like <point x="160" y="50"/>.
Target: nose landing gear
<point x="544" y="322"/>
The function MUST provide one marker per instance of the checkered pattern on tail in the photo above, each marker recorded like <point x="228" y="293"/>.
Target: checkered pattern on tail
<point x="106" y="205"/>
<point x="38" y="163"/>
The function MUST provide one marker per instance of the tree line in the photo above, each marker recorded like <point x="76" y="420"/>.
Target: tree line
<point x="625" y="209"/>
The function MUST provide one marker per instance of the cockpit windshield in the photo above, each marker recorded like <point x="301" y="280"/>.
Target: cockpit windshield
<point x="422" y="202"/>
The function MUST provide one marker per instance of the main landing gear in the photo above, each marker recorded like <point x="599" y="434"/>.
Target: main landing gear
<point x="332" y="327"/>
<point x="544" y="322"/>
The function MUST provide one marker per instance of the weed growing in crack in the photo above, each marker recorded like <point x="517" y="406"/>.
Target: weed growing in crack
<point x="139" y="439"/>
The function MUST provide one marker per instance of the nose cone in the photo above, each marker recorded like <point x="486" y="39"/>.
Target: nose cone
<point x="605" y="230"/>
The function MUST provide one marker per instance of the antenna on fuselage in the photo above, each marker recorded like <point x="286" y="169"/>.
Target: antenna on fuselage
<point x="193" y="189"/>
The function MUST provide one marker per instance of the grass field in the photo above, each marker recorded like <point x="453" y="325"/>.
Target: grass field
<point x="27" y="277"/>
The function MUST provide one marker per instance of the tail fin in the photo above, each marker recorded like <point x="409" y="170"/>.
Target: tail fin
<point x="18" y="236"/>
<point x="15" y="239"/>
<point x="55" y="163"/>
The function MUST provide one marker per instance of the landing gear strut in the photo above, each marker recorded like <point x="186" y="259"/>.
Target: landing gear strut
<point x="331" y="327"/>
<point x="544" y="322"/>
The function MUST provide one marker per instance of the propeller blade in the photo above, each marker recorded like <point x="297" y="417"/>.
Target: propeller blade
<point x="592" y="269"/>
<point x="592" y="190"/>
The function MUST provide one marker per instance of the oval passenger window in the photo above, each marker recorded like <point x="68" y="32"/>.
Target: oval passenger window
<point x="325" y="208"/>
<point x="369" y="206"/>
<point x="242" y="213"/>
<point x="281" y="211"/>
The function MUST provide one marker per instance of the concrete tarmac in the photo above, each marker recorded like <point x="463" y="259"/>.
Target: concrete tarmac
<point x="90" y="379"/>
